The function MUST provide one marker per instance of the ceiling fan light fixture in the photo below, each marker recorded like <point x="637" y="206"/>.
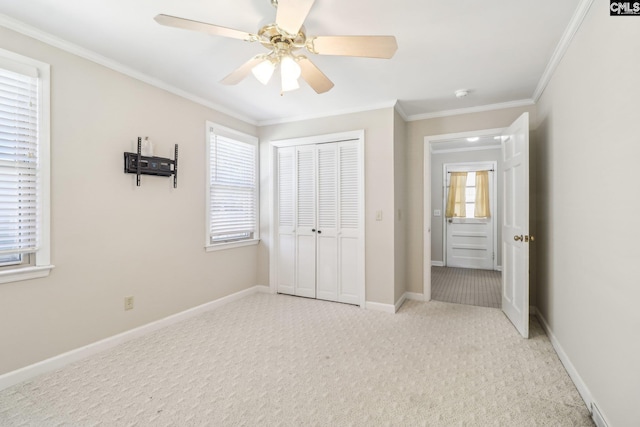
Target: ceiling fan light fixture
<point x="289" y="85"/>
<point x="290" y="72"/>
<point x="263" y="71"/>
<point x="284" y="37"/>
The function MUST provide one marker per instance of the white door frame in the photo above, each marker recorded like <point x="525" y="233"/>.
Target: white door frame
<point x="472" y="166"/>
<point x="426" y="258"/>
<point x="357" y="135"/>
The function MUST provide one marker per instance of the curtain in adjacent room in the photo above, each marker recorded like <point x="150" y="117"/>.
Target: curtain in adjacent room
<point x="482" y="209"/>
<point x="456" y="203"/>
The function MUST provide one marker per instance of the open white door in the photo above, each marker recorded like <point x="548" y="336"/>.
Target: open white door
<point x="515" y="220"/>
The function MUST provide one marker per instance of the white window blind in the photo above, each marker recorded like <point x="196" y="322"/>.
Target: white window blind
<point x="232" y="189"/>
<point x="19" y="204"/>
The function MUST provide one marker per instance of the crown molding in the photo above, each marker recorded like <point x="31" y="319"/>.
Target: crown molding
<point x="380" y="106"/>
<point x="401" y="111"/>
<point x="35" y="33"/>
<point x="478" y="109"/>
<point x="563" y="45"/>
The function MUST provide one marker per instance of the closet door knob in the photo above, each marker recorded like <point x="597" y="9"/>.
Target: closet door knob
<point x="319" y="231"/>
<point x="313" y="230"/>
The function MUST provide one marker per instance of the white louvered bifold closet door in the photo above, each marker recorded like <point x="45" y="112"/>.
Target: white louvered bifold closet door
<point x="327" y="278"/>
<point x="285" y="221"/>
<point x="306" y="221"/>
<point x="319" y="230"/>
<point x="350" y="232"/>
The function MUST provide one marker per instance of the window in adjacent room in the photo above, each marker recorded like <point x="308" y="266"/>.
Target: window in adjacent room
<point x="232" y="197"/>
<point x="468" y="195"/>
<point x="24" y="168"/>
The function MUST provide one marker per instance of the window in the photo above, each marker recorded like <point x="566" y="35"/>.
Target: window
<point x="24" y="168"/>
<point x="232" y="197"/>
<point x="468" y="194"/>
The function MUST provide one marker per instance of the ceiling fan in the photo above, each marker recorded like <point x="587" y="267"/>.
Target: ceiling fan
<point x="284" y="39"/>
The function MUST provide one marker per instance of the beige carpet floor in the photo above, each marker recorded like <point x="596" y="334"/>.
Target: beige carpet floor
<point x="280" y="360"/>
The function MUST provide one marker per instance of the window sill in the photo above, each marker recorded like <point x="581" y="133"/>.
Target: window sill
<point x="231" y="245"/>
<point x="25" y="273"/>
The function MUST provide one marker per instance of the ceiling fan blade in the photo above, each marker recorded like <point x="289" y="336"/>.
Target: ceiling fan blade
<point x="243" y="71"/>
<point x="313" y="76"/>
<point x="188" y="24"/>
<point x="366" y="46"/>
<point x="291" y="14"/>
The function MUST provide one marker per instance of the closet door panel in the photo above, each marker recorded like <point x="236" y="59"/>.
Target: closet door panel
<point x="327" y="266"/>
<point x="349" y="288"/>
<point x="285" y="237"/>
<point x="305" y="221"/>
<point x="306" y="266"/>
<point x="349" y="221"/>
<point x="327" y="284"/>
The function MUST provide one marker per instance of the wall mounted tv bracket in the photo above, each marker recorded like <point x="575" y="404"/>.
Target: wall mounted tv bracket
<point x="144" y="165"/>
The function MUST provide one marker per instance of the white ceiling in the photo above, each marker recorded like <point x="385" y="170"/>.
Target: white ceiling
<point x="497" y="49"/>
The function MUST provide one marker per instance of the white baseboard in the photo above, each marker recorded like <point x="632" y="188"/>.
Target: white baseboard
<point x="596" y="415"/>
<point x="437" y="263"/>
<point x="377" y="306"/>
<point x="388" y="308"/>
<point x="498" y="268"/>
<point x="399" y="303"/>
<point x="265" y="289"/>
<point x="414" y="296"/>
<point x="23" y="374"/>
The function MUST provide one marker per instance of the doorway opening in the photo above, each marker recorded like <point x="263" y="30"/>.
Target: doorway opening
<point x="465" y="267"/>
<point x="512" y="252"/>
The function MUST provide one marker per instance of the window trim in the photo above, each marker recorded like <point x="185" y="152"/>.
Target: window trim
<point x="42" y="264"/>
<point x="217" y="129"/>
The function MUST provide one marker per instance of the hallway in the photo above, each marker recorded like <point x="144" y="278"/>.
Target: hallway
<point x="466" y="286"/>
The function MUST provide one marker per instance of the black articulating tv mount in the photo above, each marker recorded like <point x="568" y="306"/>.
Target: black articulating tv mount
<point x="145" y="165"/>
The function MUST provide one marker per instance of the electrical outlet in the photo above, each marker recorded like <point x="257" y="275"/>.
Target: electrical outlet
<point x="128" y="303"/>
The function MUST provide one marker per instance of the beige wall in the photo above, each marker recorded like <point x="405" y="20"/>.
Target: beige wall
<point x="438" y="160"/>
<point x="110" y="238"/>
<point x="588" y="200"/>
<point x="416" y="131"/>
<point x="379" y="191"/>
<point x="400" y="211"/>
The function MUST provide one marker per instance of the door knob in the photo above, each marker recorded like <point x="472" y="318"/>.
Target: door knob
<point x="532" y="238"/>
<point x="516" y="238"/>
<point x="319" y="231"/>
<point x="450" y="220"/>
<point x="313" y="230"/>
